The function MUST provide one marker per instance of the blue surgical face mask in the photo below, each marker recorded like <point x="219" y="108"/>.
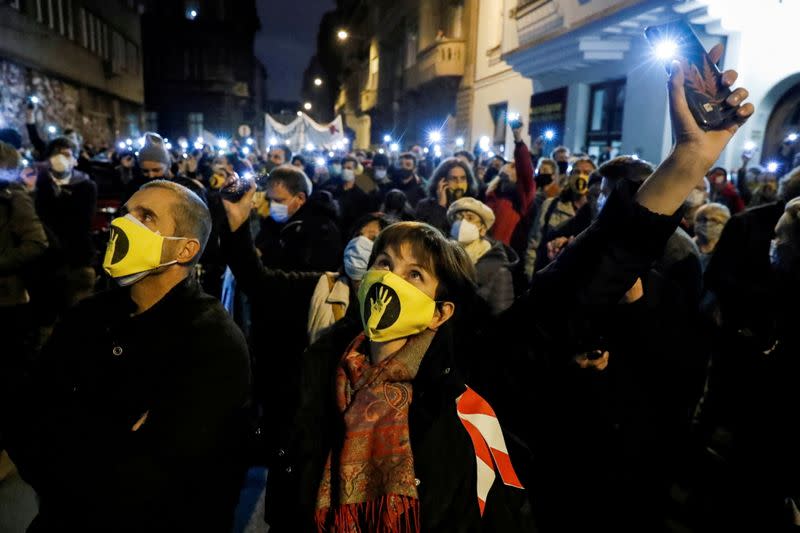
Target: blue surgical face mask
<point x="279" y="212"/>
<point x="336" y="169"/>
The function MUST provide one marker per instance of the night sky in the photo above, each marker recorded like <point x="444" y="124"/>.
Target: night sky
<point x="287" y="40"/>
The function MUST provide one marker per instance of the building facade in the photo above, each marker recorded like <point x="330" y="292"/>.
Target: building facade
<point x="80" y="58"/>
<point x="201" y="73"/>
<point x="412" y="68"/>
<point x="597" y="83"/>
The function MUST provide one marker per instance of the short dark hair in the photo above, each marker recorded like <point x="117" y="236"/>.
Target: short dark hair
<point x="287" y="152"/>
<point x="585" y="159"/>
<point x="350" y="159"/>
<point x="625" y="167"/>
<point x="239" y="165"/>
<point x="790" y="185"/>
<point x="9" y="157"/>
<point x="300" y="158"/>
<point x="409" y="155"/>
<point x="60" y="143"/>
<point x="444" y="169"/>
<point x="192" y="218"/>
<point x="469" y="156"/>
<point x="382" y="220"/>
<point x="443" y="257"/>
<point x="294" y="179"/>
<point x="380" y="160"/>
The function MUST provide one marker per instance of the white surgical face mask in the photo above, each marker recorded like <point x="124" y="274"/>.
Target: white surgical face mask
<point x="696" y="198"/>
<point x="465" y="232"/>
<point x="348" y="174"/>
<point x="279" y="212"/>
<point x="380" y="173"/>
<point x="62" y="164"/>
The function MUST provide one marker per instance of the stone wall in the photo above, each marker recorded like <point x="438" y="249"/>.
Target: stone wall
<point x="100" y="118"/>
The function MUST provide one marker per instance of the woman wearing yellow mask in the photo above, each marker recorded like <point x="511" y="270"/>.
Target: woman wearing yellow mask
<point x="412" y="418"/>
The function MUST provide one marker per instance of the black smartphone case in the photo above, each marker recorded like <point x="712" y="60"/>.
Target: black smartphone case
<point x="705" y="93"/>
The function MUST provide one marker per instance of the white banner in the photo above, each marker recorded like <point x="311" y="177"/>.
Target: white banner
<point x="304" y="130"/>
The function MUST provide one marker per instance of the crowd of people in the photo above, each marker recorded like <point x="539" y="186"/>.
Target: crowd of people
<point x="407" y="342"/>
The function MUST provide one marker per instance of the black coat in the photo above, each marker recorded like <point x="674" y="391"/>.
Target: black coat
<point x="184" y="363"/>
<point x="66" y="213"/>
<point x="309" y="241"/>
<point x="465" y="351"/>
<point x="429" y="211"/>
<point x="279" y="303"/>
<point x="739" y="273"/>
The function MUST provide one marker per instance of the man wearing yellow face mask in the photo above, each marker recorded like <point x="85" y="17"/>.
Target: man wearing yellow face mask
<point x="135" y="414"/>
<point x="451" y="181"/>
<point x="556" y="211"/>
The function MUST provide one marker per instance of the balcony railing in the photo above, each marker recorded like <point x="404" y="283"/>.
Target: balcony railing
<point x="445" y="58"/>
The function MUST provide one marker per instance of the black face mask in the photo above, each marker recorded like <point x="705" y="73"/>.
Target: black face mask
<point x="543" y="180"/>
<point x="562" y="167"/>
<point x="404" y="173"/>
<point x="491" y="172"/>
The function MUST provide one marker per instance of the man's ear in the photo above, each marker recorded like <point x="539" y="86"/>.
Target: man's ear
<point x="302" y="197"/>
<point x="444" y="312"/>
<point x="188" y="251"/>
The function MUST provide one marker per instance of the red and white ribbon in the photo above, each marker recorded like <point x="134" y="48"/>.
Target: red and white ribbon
<point x="491" y="454"/>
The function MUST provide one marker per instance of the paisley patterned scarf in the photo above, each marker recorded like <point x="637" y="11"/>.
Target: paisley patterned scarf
<point x="369" y="485"/>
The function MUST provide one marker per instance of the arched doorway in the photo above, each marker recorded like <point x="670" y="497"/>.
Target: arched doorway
<point x="783" y="121"/>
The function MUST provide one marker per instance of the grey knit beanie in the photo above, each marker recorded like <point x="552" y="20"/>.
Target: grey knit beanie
<point x="154" y="150"/>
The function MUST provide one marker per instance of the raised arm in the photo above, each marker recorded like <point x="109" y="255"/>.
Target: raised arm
<point x="526" y="188"/>
<point x="240" y="254"/>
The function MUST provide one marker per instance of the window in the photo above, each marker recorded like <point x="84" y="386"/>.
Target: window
<point x="84" y="28"/>
<point x="151" y="120"/>
<point x="70" y="25"/>
<point x="499" y="112"/>
<point x="606" y="104"/>
<point x="195" y="125"/>
<point x="411" y="48"/>
<point x="372" y="84"/>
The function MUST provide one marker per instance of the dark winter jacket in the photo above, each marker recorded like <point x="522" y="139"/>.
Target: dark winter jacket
<point x="136" y="423"/>
<point x="66" y="212"/>
<point x="279" y="303"/>
<point x="22" y="240"/>
<point x="464" y="351"/>
<point x="309" y="241"/>
<point x="353" y="204"/>
<point x="495" y="280"/>
<point x="429" y="211"/>
<point x="739" y="274"/>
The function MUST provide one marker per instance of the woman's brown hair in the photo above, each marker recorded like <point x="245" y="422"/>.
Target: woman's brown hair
<point x="440" y="256"/>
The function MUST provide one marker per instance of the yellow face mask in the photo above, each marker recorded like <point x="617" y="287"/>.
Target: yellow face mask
<point x="133" y="251"/>
<point x="392" y="308"/>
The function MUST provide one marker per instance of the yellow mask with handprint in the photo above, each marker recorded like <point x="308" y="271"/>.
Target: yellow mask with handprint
<point x="392" y="308"/>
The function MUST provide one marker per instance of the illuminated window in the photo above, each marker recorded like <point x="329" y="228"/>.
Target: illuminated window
<point x="606" y="105"/>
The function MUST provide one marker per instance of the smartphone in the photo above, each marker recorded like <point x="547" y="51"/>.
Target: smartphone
<point x="705" y="93"/>
<point x="513" y="120"/>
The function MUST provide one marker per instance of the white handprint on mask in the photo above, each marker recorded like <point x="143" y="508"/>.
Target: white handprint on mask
<point x="378" y="308"/>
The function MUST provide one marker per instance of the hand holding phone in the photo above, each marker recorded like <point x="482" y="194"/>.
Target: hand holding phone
<point x="706" y="94"/>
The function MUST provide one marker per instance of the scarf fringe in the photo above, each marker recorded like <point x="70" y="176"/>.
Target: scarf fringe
<point x="390" y="513"/>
